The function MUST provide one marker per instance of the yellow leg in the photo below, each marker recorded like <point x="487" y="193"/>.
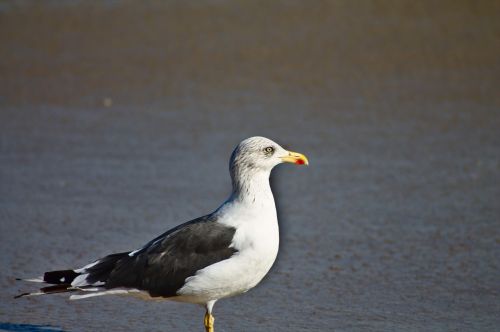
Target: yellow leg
<point x="209" y="322"/>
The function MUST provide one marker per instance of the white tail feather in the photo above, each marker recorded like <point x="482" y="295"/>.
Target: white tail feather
<point x="108" y="292"/>
<point x="37" y="279"/>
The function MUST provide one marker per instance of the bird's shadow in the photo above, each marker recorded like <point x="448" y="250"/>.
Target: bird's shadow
<point x="4" y="326"/>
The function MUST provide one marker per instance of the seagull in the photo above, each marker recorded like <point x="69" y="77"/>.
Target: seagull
<point x="222" y="254"/>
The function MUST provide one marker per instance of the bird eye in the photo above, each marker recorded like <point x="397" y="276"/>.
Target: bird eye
<point x="269" y="150"/>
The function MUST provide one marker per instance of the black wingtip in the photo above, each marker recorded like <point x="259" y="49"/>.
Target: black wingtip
<point x="60" y="277"/>
<point x="21" y="295"/>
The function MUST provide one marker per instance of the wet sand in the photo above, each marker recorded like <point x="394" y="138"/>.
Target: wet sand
<point x="117" y="121"/>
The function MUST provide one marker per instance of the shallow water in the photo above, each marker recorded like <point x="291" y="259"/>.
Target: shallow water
<point x="117" y="121"/>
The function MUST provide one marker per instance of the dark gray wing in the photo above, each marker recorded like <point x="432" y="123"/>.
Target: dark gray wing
<point x="162" y="266"/>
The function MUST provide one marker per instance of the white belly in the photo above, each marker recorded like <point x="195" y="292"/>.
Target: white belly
<point x="257" y="249"/>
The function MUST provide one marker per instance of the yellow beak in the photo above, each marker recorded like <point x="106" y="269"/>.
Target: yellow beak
<point x="295" y="158"/>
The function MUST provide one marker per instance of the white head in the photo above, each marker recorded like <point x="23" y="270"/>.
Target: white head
<point x="257" y="156"/>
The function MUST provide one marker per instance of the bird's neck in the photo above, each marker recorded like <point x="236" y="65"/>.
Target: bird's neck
<point x="252" y="188"/>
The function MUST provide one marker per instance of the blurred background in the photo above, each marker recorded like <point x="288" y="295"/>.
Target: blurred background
<point x="117" y="120"/>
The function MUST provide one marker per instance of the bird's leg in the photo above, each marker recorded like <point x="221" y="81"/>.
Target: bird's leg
<point x="209" y="322"/>
<point x="209" y="319"/>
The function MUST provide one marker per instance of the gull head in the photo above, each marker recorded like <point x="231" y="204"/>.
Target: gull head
<point x="257" y="154"/>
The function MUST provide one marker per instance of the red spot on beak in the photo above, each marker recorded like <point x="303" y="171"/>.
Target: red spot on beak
<point x="299" y="162"/>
